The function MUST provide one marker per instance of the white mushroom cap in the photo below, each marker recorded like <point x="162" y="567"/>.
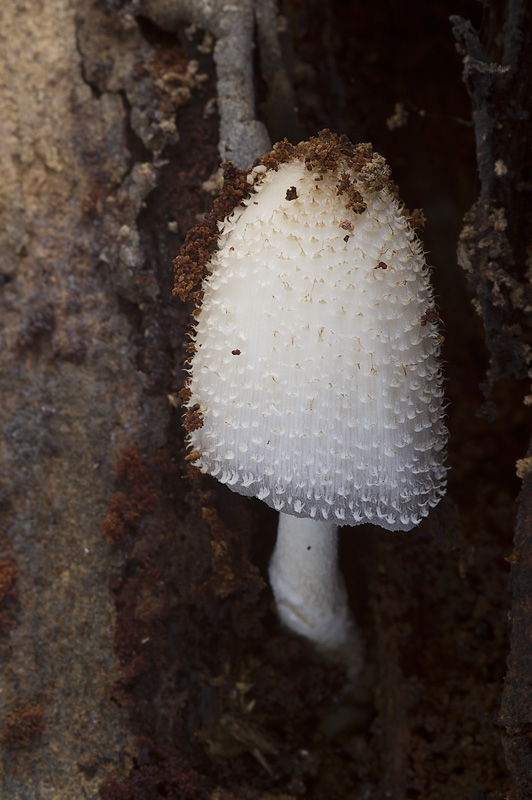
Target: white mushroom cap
<point x="316" y="371"/>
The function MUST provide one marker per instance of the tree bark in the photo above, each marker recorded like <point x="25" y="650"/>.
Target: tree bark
<point x="71" y="401"/>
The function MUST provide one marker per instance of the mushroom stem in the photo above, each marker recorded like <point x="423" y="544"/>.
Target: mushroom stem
<point x="308" y="587"/>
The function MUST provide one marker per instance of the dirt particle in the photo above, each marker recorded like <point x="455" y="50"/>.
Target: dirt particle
<point x="431" y="316"/>
<point x="398" y="119"/>
<point x="185" y="394"/>
<point x="416" y="218"/>
<point x="193" y="419"/>
<point x="375" y="174"/>
<point x="522" y="467"/>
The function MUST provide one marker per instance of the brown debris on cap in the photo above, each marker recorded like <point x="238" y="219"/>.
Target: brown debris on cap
<point x="326" y="152"/>
<point x="416" y="218"/>
<point x="193" y="419"/>
<point x="201" y="240"/>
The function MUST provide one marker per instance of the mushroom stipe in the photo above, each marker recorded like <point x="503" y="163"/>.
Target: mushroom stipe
<point x="333" y="412"/>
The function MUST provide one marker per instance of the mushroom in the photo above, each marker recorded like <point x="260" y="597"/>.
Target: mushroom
<point x="315" y="382"/>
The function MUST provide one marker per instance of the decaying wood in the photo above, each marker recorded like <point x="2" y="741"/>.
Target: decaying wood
<point x="515" y="716"/>
<point x="64" y="346"/>
<point x="493" y="243"/>
<point x="242" y="137"/>
<point x="494" y="253"/>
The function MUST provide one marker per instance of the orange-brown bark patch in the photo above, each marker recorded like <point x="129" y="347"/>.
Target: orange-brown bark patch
<point x="125" y="511"/>
<point x="8" y="576"/>
<point x="20" y="725"/>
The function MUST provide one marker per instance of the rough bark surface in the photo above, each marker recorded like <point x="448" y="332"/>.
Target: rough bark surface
<point x="493" y="247"/>
<point x="515" y="715"/>
<point x="69" y="396"/>
<point x="494" y="250"/>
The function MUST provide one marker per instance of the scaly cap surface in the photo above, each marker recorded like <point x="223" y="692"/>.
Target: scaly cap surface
<point x="315" y="384"/>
